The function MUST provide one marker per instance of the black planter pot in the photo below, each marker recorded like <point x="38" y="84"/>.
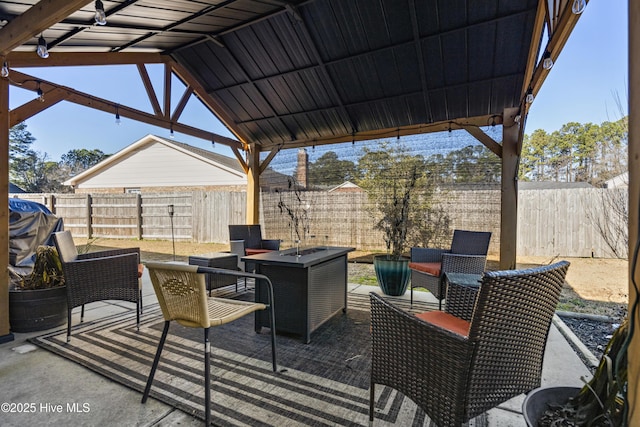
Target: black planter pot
<point x="393" y="274"/>
<point x="538" y="401"/>
<point x="37" y="309"/>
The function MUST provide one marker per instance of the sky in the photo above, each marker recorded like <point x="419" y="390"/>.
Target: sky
<point x="582" y="86"/>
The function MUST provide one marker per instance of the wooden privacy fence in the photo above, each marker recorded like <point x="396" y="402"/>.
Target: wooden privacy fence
<point x="550" y="222"/>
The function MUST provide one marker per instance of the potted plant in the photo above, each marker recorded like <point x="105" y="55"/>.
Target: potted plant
<point x="390" y="177"/>
<point x="600" y="402"/>
<point x="38" y="301"/>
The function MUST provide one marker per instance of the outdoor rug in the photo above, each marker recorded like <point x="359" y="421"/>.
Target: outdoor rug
<point x="323" y="383"/>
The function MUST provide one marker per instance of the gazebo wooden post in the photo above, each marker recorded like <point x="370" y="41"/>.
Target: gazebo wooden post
<point x="253" y="185"/>
<point x="633" y="352"/>
<point x="509" y="189"/>
<point x="5" y="333"/>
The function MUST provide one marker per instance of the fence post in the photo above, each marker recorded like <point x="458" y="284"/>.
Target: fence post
<point x="52" y="201"/>
<point x="139" y="215"/>
<point x="89" y="209"/>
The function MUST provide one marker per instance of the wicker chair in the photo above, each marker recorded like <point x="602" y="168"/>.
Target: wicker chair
<point x="182" y="294"/>
<point x="456" y="370"/>
<point x="468" y="254"/>
<point x="98" y="276"/>
<point x="247" y="240"/>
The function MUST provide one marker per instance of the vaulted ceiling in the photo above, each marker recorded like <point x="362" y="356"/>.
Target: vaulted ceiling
<point x="284" y="74"/>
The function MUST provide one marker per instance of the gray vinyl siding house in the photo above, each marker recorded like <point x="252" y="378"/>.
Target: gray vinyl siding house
<point x="155" y="164"/>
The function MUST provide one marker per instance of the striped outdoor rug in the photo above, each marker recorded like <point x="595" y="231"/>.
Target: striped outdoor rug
<point x="323" y="383"/>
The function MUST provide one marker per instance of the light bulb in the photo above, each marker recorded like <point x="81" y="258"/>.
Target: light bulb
<point x="100" y="16"/>
<point x="40" y="94"/>
<point x="5" y="69"/>
<point x="517" y="119"/>
<point x="578" y="6"/>
<point x="117" y="118"/>
<point x="529" y="98"/>
<point x="547" y="62"/>
<point x="171" y="131"/>
<point x="42" y="50"/>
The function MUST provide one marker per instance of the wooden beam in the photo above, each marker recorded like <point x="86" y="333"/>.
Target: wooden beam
<point x="253" y="186"/>
<point x="534" y="48"/>
<point x="26" y="81"/>
<point x="33" y="107"/>
<point x="509" y="190"/>
<point x="557" y="40"/>
<point x="209" y="102"/>
<point x="35" y="20"/>
<point x="167" y="91"/>
<point x="243" y="163"/>
<point x="183" y="103"/>
<point x="633" y="351"/>
<point x="81" y="59"/>
<point x="5" y="332"/>
<point x="479" y="121"/>
<point x="148" y="86"/>
<point x="267" y="160"/>
<point x="485" y="139"/>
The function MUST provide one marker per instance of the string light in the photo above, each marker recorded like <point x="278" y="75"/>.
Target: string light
<point x="529" y="98"/>
<point x="578" y="6"/>
<point x="5" y="69"/>
<point x="100" y="16"/>
<point x="171" y="130"/>
<point x="117" y="115"/>
<point x="547" y="62"/>
<point x="42" y="50"/>
<point x="40" y="93"/>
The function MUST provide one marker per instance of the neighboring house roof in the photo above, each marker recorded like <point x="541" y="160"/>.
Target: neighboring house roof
<point x="153" y="161"/>
<point x="551" y="185"/>
<point x="346" y="186"/>
<point x="621" y="180"/>
<point x="15" y="189"/>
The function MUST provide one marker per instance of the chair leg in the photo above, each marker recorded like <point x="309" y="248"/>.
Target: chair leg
<point x="82" y="314"/>
<point x="163" y="338"/>
<point x="272" y="326"/>
<point x="411" y="288"/>
<point x="69" y="324"/>
<point x="207" y="378"/>
<point x="372" y="393"/>
<point x="140" y="300"/>
<point x="138" y="310"/>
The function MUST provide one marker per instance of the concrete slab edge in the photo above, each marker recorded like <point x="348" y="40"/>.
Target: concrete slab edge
<point x="575" y="342"/>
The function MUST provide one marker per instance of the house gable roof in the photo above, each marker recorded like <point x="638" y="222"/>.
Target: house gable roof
<point x="217" y="160"/>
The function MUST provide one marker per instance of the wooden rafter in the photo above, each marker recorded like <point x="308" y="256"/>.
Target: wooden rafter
<point x="479" y="121"/>
<point x="28" y="82"/>
<point x="51" y="97"/>
<point x="81" y="59"/>
<point x="148" y="86"/>
<point x="209" y="102"/>
<point x="485" y="139"/>
<point x="35" y="20"/>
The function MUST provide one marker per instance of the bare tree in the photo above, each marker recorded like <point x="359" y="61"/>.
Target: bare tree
<point x="608" y="212"/>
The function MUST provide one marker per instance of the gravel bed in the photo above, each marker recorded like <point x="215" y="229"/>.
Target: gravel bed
<point x="594" y="333"/>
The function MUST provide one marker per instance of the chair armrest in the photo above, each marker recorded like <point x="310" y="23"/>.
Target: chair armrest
<point x="457" y="263"/>
<point x="427" y="254"/>
<point x="109" y="252"/>
<point x="223" y="271"/>
<point x="272" y="244"/>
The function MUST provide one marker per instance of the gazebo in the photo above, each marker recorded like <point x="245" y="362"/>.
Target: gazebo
<point x="286" y="74"/>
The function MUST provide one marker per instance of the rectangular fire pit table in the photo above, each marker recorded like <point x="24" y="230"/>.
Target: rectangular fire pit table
<point x="309" y="288"/>
<point x="224" y="260"/>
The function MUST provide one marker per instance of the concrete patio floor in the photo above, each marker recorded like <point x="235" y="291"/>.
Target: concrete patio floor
<point x="61" y="392"/>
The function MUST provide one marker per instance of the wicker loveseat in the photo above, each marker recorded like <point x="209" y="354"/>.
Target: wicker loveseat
<point x="247" y="240"/>
<point x="455" y="369"/>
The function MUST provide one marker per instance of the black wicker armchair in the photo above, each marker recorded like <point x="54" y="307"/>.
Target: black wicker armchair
<point x="98" y="276"/>
<point x="468" y="254"/>
<point x="456" y="370"/>
<point x="247" y="240"/>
